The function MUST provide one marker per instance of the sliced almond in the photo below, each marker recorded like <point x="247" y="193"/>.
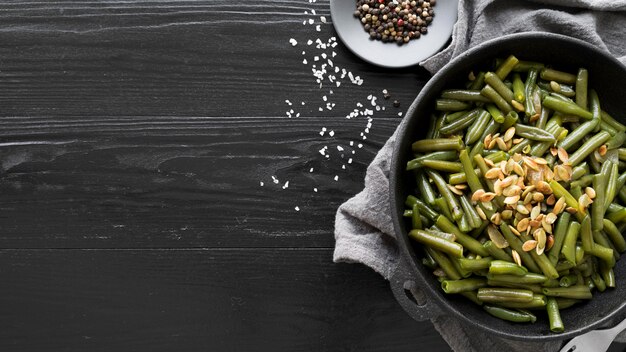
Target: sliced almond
<point x="496" y="218"/>
<point x="496" y="237"/>
<point x="538" y="197"/>
<point x="534" y="213"/>
<point x="454" y="190"/>
<point x="531" y="163"/>
<point x="507" y="214"/>
<point x="501" y="144"/>
<point x="563" y="156"/>
<point x="487" y="141"/>
<point x="551" y="218"/>
<point x="517" y="168"/>
<point x="549" y="242"/>
<point x="487" y="196"/>
<point x="529" y="245"/>
<point x="439" y="272"/>
<point x="509" y="180"/>
<point x="517" y="105"/>
<point x="514" y="230"/>
<point x="521" y="209"/>
<point x="540" y="161"/>
<point x="513" y="190"/>
<point x="492" y="143"/>
<point x="584" y="202"/>
<point x="492" y="173"/>
<point x="497" y="187"/>
<point x="561" y="173"/>
<point x="571" y="210"/>
<point x="551" y="199"/>
<point x="508" y="135"/>
<point x="528" y="198"/>
<point x="590" y="192"/>
<point x="548" y="175"/>
<point x="509" y="165"/>
<point x="526" y="149"/>
<point x="546" y="227"/>
<point x="528" y="190"/>
<point x="544" y="187"/>
<point x="540" y="236"/>
<point x="461" y="186"/>
<point x="481" y="213"/>
<point x="476" y="196"/>
<point x="518" y="140"/>
<point x="489" y="163"/>
<point x="555" y="86"/>
<point x="523" y="224"/>
<point x="554" y="151"/>
<point x="516" y="257"/>
<point x="559" y="206"/>
<point x="511" y="200"/>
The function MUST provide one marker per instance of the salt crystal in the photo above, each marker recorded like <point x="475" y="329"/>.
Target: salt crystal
<point x="286" y="185"/>
<point x="261" y="183"/>
<point x="293" y="42"/>
<point x="275" y="180"/>
<point x="367" y="130"/>
<point x="324" y="55"/>
<point x="309" y="42"/>
<point x="330" y="92"/>
<point x="323" y="19"/>
<point x="351" y="143"/>
<point x="298" y="115"/>
<point x="334" y="54"/>
<point x="304" y="61"/>
<point x="385" y="91"/>
<point x="350" y="161"/>
<point x="317" y="28"/>
<point x="316" y="58"/>
<point x="323" y="151"/>
<point x="313" y="12"/>
<point x="320" y="109"/>
<point x="338" y="83"/>
<point x="288" y="102"/>
<point x="339" y="148"/>
<point x="400" y="113"/>
<point x="303" y="103"/>
<point x="331" y="133"/>
<point x="343" y="166"/>
<point x="378" y="108"/>
<point x="324" y="98"/>
<point x="304" y="22"/>
<point x="330" y="62"/>
<point x="336" y="178"/>
<point x="315" y="190"/>
<point x="311" y="170"/>
<point x="297" y="208"/>
<point x="311" y="21"/>
<point x="360" y="145"/>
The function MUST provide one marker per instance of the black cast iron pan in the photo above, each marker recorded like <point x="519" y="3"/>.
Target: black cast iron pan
<point x="608" y="77"/>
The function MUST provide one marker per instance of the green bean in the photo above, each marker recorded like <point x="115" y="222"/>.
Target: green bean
<point x="465" y="240"/>
<point x="597" y="207"/>
<point x="426" y="190"/>
<point x="407" y="213"/>
<point x="558" y="76"/>
<point x="615" y="235"/>
<point x="475" y="264"/>
<point x="464" y="95"/>
<point x="588" y="147"/>
<point x="478" y="81"/>
<point x="528" y="278"/>
<point x="505" y="67"/>
<point x="581" y="87"/>
<point x="441" y="165"/>
<point x="461" y="123"/>
<point x="432" y="126"/>
<point x="529" y="85"/>
<point x="438" y="124"/>
<point x="577" y="292"/>
<point x="442" y="206"/>
<point x="567" y="90"/>
<point x="479" y="230"/>
<point x="559" y="236"/>
<point x="437" y="144"/>
<point x="538" y="301"/>
<point x="543" y="118"/>
<point x="491" y="128"/>
<point x="580" y="254"/>
<point x="502" y="267"/>
<point x="429" y="262"/>
<point x="462" y="285"/>
<point x="539" y="149"/>
<point x="424" y="209"/>
<point x="471" y="295"/>
<point x="520" y="146"/>
<point x="496" y="252"/>
<point x="577" y="192"/>
<point x="613" y="207"/>
<point x="472" y="179"/>
<point x="565" y="107"/>
<point x="564" y="265"/>
<point x="518" y="88"/>
<point x="451" y="105"/>
<point x="497" y="156"/>
<point x="564" y="303"/>
<point x="598" y="281"/>
<point x="509" y="314"/>
<point x="568" y="280"/>
<point x="542" y="261"/>
<point x="457" y="178"/>
<point x="526" y="66"/>
<point x="611" y="185"/>
<point x="497" y="294"/>
<point x="569" y="243"/>
<point x="579" y="171"/>
<point x="616" y="141"/>
<point x="607" y="275"/>
<point x="606" y="127"/>
<point x="510" y="119"/>
<point x="582" y="182"/>
<point x="534" y="133"/>
<point x="455" y="262"/>
<point x="622" y="154"/>
<point x="444" y="263"/>
<point x="559" y="191"/>
<point x="489" y="92"/>
<point x="450" y="198"/>
<point x="604" y="253"/>
<point x="516" y="244"/>
<point x="594" y="107"/>
<point x="450" y="116"/>
<point x="586" y="235"/>
<point x="577" y="134"/>
<point x="609" y="120"/>
<point x="496" y="83"/>
<point x="554" y="316"/>
<point x="416" y="220"/>
<point x="618" y="216"/>
<point x="445" y="235"/>
<point x="470" y="213"/>
<point x="447" y="155"/>
<point x="476" y="129"/>
<point x="464" y="224"/>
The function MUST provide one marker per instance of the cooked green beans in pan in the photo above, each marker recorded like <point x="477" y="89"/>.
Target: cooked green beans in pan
<point x="520" y="200"/>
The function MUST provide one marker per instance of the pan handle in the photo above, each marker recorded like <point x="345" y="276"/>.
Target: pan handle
<point x="410" y="296"/>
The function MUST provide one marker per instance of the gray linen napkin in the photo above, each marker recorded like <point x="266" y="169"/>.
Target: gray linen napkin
<point x="363" y="227"/>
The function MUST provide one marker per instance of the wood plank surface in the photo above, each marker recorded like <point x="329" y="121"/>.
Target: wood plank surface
<point x="199" y="300"/>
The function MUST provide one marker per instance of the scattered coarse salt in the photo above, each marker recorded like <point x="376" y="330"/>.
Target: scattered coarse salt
<point x="324" y="55"/>
<point x="293" y="42"/>
<point x="400" y="113"/>
<point x="323" y="151"/>
<point x="316" y="58"/>
<point x="310" y="170"/>
<point x="274" y="179"/>
<point x="313" y="12"/>
<point x="303" y="103"/>
<point x="315" y="189"/>
<point x="309" y="42"/>
<point x="323" y="19"/>
<point x="343" y="166"/>
<point x="338" y="83"/>
<point x="360" y="145"/>
<point x="261" y="183"/>
<point x="336" y="178"/>
<point x="340" y="148"/>
<point x="324" y="98"/>
<point x="350" y="161"/>
<point x="297" y="208"/>
<point x="288" y="102"/>
<point x="318" y="28"/>
<point x="331" y="133"/>
<point x="304" y="61"/>
<point x="385" y="91"/>
<point x="311" y="21"/>
<point x="286" y="185"/>
<point x="351" y="143"/>
<point x="320" y="109"/>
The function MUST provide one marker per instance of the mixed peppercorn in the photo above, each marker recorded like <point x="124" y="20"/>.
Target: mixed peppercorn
<point x="393" y="20"/>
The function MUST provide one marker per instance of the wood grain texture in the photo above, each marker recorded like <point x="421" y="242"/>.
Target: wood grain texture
<point x="199" y="300"/>
<point x="178" y="182"/>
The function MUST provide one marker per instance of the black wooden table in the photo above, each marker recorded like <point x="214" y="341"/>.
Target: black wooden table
<point x="156" y="195"/>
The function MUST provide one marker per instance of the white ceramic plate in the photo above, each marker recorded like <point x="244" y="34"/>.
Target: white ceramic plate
<point x="351" y="32"/>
